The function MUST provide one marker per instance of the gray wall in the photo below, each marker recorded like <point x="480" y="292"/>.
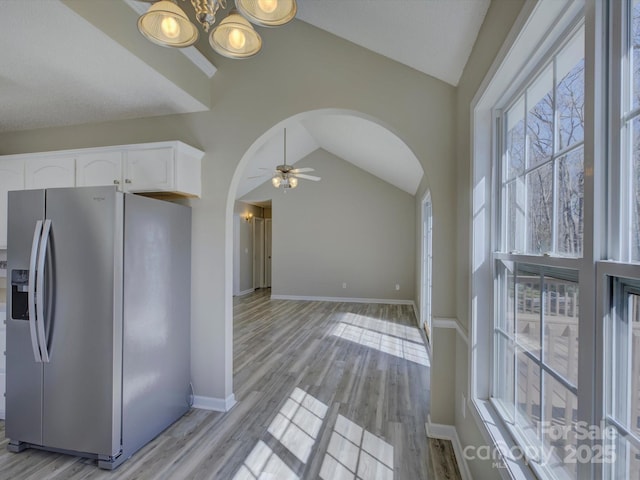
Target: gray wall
<point x="301" y="69"/>
<point x="351" y="227"/>
<point x="497" y="24"/>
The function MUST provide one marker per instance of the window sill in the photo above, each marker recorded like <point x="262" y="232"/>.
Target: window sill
<point x="500" y="441"/>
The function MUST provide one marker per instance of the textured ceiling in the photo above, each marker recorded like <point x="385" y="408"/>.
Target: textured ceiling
<point x="433" y="36"/>
<point x="52" y="79"/>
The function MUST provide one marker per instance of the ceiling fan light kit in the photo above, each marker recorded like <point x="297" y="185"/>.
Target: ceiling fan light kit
<point x="166" y="24"/>
<point x="286" y="176"/>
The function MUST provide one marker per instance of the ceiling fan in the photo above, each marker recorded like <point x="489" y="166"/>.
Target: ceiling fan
<point x="286" y="176"/>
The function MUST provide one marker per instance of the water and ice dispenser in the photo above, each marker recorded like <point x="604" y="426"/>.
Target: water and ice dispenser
<point x="20" y="294"/>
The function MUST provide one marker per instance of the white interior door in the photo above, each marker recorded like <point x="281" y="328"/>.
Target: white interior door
<point x="267" y="253"/>
<point x="258" y="252"/>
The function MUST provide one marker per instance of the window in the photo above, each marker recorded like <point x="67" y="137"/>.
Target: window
<point x="621" y="287"/>
<point x="555" y="264"/>
<point x="543" y="170"/>
<point x="536" y="329"/>
<point x="536" y="359"/>
<point x="623" y="380"/>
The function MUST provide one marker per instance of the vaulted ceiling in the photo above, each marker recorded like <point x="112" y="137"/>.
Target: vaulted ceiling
<point x="68" y="62"/>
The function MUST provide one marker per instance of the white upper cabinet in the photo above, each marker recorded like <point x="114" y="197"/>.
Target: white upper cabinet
<point x="164" y="168"/>
<point x="50" y="172"/>
<point x="150" y="170"/>
<point x="100" y="168"/>
<point x="11" y="178"/>
<point x="169" y="167"/>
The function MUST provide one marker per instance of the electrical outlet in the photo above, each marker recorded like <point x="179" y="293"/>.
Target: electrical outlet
<point x="397" y="286"/>
<point x="344" y="284"/>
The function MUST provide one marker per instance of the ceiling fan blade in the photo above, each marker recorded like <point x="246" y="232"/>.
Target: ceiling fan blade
<point x="307" y="177"/>
<point x="258" y="176"/>
<point x="303" y="170"/>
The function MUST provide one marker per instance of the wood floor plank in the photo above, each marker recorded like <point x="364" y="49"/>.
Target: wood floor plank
<point x="309" y="377"/>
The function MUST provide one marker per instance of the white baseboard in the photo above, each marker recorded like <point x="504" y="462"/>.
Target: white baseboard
<point x="342" y="299"/>
<point x="448" y="432"/>
<point x="215" y="404"/>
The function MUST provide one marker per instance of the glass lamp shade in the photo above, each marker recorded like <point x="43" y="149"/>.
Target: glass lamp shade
<point x="293" y="182"/>
<point x="268" y="13"/>
<point x="234" y="37"/>
<point x="166" y="24"/>
<point x="276" y="181"/>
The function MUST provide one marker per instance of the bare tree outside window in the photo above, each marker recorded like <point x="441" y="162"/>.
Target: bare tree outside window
<point x="548" y="160"/>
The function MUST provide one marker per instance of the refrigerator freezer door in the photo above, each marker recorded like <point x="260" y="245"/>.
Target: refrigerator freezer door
<point x="156" y="362"/>
<point x="24" y="373"/>
<point x="82" y="380"/>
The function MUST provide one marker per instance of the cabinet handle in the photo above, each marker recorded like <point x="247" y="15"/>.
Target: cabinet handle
<point x="126" y="180"/>
<point x="116" y="182"/>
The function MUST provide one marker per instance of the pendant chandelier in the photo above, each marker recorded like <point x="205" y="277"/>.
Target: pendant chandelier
<point x="166" y="24"/>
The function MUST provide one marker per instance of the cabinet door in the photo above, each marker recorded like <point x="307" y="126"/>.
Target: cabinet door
<point x="97" y="169"/>
<point x="11" y="178"/>
<point x="50" y="172"/>
<point x="150" y="170"/>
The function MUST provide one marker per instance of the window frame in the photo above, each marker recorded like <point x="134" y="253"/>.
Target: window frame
<point x="512" y="66"/>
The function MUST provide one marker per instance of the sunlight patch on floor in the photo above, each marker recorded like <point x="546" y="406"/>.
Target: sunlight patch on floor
<point x="297" y="424"/>
<point x="355" y="453"/>
<point x="296" y="427"/>
<point x="393" y="345"/>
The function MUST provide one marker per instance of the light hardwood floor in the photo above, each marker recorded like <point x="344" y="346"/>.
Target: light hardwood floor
<point x="324" y="390"/>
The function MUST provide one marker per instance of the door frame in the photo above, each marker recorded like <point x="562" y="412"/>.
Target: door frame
<point x="426" y="263"/>
<point x="258" y="252"/>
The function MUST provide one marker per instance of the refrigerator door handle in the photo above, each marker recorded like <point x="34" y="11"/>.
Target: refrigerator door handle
<point x="32" y="291"/>
<point x="42" y="255"/>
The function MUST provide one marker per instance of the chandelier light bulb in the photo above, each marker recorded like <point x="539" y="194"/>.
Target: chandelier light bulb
<point x="276" y="182"/>
<point x="268" y="6"/>
<point x="237" y="39"/>
<point x="170" y="28"/>
<point x="293" y="182"/>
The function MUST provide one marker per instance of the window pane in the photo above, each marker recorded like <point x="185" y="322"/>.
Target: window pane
<point x="570" y="205"/>
<point x="560" y="420"/>
<point x="635" y="193"/>
<point x="635" y="45"/>
<point x="570" y="92"/>
<point x="516" y="214"/>
<point x="627" y="460"/>
<point x="515" y="140"/>
<point x="634" y="382"/>
<point x="540" y="118"/>
<point x="561" y="327"/>
<point x="528" y="395"/>
<point x="540" y="209"/>
<point x="528" y="315"/>
<point x="506" y="307"/>
<point x="504" y="387"/>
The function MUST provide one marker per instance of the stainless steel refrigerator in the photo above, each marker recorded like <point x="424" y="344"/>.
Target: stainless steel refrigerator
<point x="98" y="315"/>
